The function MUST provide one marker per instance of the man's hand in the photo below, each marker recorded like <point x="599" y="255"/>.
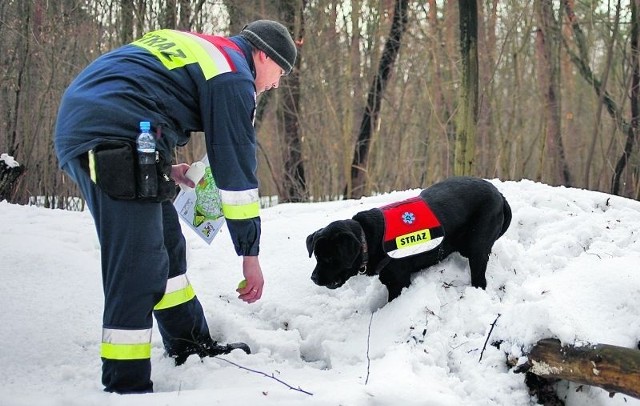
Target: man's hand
<point x="252" y="292"/>
<point x="178" y="175"/>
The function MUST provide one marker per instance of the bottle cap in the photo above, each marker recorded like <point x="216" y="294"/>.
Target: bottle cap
<point x="145" y="125"/>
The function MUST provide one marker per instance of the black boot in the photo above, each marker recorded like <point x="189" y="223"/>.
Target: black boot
<point x="207" y="348"/>
<point x="212" y="348"/>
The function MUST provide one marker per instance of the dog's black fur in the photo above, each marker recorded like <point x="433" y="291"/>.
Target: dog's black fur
<point x="473" y="213"/>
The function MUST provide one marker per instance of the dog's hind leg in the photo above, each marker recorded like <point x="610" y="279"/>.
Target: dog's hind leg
<point x="478" y="266"/>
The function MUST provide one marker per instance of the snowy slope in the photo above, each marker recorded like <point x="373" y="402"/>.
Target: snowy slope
<point x="566" y="268"/>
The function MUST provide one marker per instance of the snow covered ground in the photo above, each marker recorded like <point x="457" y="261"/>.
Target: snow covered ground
<point x="566" y="268"/>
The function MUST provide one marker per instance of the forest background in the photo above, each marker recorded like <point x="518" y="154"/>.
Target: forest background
<point x="386" y="94"/>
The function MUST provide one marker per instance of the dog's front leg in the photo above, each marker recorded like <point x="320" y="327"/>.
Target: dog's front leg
<point x="395" y="280"/>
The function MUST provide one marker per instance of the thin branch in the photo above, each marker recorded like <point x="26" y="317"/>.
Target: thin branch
<point x="488" y="335"/>
<point x="272" y="376"/>
<point x="368" y="347"/>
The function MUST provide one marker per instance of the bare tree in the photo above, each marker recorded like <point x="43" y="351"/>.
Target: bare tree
<point x="184" y="19"/>
<point x="547" y="43"/>
<point x="126" y="21"/>
<point x="634" y="95"/>
<point x="169" y="16"/>
<point x="468" y="112"/>
<point x="316" y="124"/>
<point x="605" y="78"/>
<point x="295" y="184"/>
<point x="374" y="100"/>
<point x="629" y="129"/>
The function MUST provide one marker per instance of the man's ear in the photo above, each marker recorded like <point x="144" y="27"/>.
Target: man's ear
<point x="262" y="56"/>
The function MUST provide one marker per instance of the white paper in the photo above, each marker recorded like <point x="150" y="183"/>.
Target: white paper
<point x="201" y="207"/>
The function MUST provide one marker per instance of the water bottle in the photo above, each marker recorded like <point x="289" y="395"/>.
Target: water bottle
<point x="146" y="144"/>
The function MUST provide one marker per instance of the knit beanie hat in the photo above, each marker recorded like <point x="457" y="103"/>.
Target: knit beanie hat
<point x="274" y="40"/>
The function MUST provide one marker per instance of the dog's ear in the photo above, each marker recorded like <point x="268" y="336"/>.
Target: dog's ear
<point x="311" y="241"/>
<point x="348" y="247"/>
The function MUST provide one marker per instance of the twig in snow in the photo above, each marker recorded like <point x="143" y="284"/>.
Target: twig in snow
<point x="368" y="346"/>
<point x="272" y="376"/>
<point x="488" y="335"/>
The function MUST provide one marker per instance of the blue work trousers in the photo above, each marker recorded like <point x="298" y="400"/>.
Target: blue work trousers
<point x="142" y="246"/>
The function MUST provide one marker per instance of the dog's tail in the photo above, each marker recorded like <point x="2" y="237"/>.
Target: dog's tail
<point x="506" y="216"/>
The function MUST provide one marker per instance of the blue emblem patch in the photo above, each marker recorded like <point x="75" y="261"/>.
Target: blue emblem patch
<point x="408" y="217"/>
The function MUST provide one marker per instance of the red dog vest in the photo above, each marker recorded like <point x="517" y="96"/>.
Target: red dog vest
<point x="410" y="228"/>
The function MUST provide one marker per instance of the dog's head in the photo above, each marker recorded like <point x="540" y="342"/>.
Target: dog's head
<point x="337" y="247"/>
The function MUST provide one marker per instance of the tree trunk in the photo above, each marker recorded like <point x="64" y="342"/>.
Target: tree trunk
<point x="374" y="100"/>
<point x="295" y="185"/>
<point x="632" y="133"/>
<point x="126" y="21"/>
<point x="263" y="102"/>
<point x="170" y="14"/>
<point x="468" y="113"/>
<point x="184" y="19"/>
<point x="488" y="148"/>
<point x="353" y="68"/>
<point x="237" y="16"/>
<point x="612" y="368"/>
<point x="598" y="119"/>
<point x="547" y="39"/>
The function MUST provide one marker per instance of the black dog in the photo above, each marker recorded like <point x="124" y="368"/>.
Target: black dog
<point x="467" y="215"/>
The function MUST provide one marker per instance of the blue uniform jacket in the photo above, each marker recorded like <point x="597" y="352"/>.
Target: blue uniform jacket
<point x="180" y="82"/>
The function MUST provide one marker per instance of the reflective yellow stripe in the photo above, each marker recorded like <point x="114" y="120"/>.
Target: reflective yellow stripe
<point x="178" y="291"/>
<point x="125" y="351"/>
<point x="125" y="344"/>
<point x="175" y="298"/>
<point x="176" y="49"/>
<point x="241" y="212"/>
<point x="92" y="165"/>
<point x="240" y="205"/>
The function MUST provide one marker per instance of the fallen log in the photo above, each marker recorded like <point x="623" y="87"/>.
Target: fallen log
<point x="612" y="368"/>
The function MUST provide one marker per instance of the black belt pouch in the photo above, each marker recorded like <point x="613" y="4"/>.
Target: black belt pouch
<point x="112" y="166"/>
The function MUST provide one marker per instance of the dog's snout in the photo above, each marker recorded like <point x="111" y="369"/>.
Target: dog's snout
<point x="314" y="278"/>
